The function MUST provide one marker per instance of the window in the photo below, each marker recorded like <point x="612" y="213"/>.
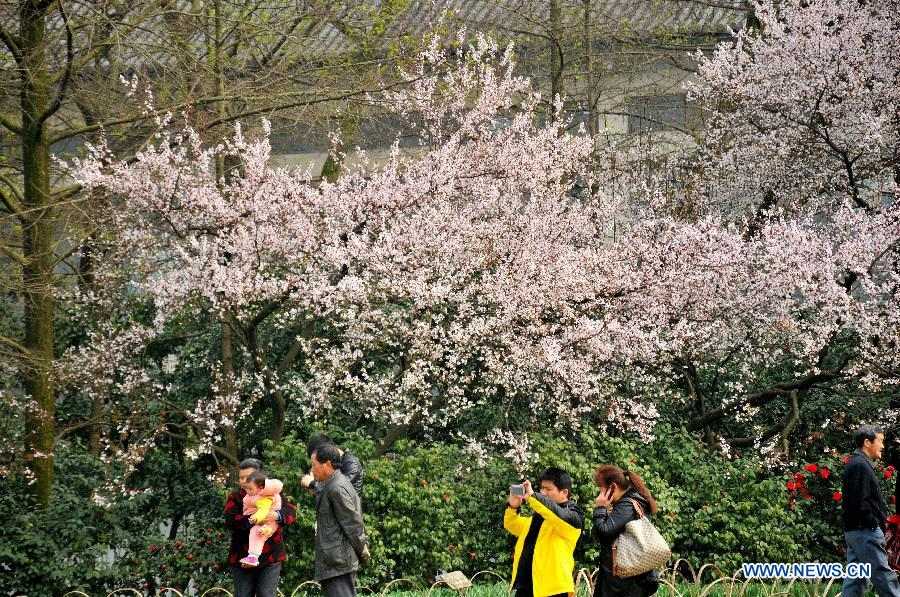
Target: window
<point x="656" y="113"/>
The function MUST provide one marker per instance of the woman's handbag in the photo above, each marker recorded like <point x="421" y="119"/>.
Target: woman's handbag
<point x="640" y="548"/>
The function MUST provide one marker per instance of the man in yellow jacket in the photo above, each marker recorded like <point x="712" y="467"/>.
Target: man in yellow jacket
<point x="544" y="558"/>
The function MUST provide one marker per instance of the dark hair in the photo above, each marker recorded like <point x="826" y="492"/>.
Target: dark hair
<point x="250" y="463"/>
<point x="607" y="474"/>
<point x="328" y="452"/>
<point x="560" y="478"/>
<point x="865" y="432"/>
<point x="258" y="478"/>
<point x="316" y="440"/>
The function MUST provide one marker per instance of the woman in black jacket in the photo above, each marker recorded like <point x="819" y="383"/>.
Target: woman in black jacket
<point x="614" y="508"/>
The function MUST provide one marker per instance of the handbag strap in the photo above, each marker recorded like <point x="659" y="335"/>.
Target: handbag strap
<point x="637" y="508"/>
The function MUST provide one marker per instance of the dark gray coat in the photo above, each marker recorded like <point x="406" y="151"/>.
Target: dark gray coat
<point x="340" y="535"/>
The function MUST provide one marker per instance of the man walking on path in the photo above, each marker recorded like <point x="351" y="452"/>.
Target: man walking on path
<point x="865" y="515"/>
<point x="341" y="543"/>
<point x="260" y="581"/>
<point x="544" y="557"/>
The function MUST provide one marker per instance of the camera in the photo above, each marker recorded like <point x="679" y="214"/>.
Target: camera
<point x="517" y="489"/>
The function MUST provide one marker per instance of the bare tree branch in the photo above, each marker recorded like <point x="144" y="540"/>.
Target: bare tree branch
<point x="11" y="43"/>
<point x="67" y="74"/>
<point x="18" y="348"/>
<point x="8" y="124"/>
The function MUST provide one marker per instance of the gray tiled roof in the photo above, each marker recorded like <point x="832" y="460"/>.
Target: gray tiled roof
<point x="634" y="18"/>
<point x="623" y="18"/>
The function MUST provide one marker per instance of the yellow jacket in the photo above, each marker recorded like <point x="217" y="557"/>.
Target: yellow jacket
<point x="553" y="565"/>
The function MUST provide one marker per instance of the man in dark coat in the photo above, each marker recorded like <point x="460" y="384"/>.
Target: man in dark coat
<point x="260" y="581"/>
<point x="865" y="517"/>
<point x="341" y="543"/>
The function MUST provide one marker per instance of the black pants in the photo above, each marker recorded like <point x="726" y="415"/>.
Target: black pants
<point x="256" y="582"/>
<point x="529" y="592"/>
<point x="607" y="585"/>
<point x="340" y="586"/>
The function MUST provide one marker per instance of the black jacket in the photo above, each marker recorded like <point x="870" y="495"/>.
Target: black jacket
<point x="607" y="526"/>
<point x="352" y="468"/>
<point x="340" y="536"/>
<point x="862" y="503"/>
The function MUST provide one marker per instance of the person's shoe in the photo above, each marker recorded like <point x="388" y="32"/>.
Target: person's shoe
<point x="251" y="560"/>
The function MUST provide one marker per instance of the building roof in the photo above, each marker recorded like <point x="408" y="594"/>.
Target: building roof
<point x="631" y="18"/>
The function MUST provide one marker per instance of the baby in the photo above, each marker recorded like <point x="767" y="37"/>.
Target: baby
<point x="263" y="498"/>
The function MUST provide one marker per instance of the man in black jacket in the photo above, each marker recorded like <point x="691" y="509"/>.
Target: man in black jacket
<point x="349" y="465"/>
<point x="865" y="516"/>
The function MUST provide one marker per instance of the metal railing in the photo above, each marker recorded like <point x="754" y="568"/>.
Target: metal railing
<point x="676" y="582"/>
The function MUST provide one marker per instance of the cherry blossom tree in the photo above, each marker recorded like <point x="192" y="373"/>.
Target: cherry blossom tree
<point x="470" y="283"/>
<point x="414" y="292"/>
<point x="802" y="143"/>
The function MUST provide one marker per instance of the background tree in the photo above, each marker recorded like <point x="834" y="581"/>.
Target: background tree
<point x="62" y="64"/>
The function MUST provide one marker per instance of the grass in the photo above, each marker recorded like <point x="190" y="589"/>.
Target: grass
<point x="678" y="589"/>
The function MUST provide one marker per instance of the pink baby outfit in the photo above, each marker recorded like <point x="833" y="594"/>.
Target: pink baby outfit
<point x="259" y="534"/>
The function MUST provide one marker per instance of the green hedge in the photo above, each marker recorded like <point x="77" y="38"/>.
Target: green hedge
<point x="427" y="508"/>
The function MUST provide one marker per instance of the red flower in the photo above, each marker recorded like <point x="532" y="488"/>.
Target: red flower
<point x="888" y="473"/>
<point x="836" y="496"/>
<point x="824" y="472"/>
<point x="791" y="485"/>
<point x="894" y="519"/>
<point x="812" y="467"/>
<point x="845" y="459"/>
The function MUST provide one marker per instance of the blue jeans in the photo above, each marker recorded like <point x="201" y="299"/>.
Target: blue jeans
<point x="867" y="546"/>
<point x="256" y="582"/>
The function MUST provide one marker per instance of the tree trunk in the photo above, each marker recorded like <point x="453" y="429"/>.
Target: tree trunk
<point x="588" y="71"/>
<point x="225" y="169"/>
<point x="37" y="233"/>
<point x="557" y="62"/>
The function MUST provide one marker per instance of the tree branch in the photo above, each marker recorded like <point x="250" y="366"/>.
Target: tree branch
<point x="10" y="125"/>
<point x="304" y="102"/>
<point x="67" y="74"/>
<point x="21" y="350"/>
<point x="765" y="396"/>
<point x="11" y="43"/>
<point x="17" y="257"/>
<point x="10" y="202"/>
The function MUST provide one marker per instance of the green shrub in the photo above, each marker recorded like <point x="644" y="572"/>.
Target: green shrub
<point x="721" y="511"/>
